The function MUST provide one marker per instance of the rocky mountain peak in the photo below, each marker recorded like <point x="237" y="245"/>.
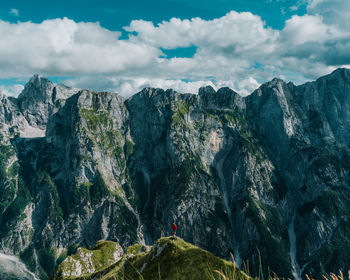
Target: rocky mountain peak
<point x="274" y="83"/>
<point x="336" y="83"/>
<point x="37" y="88"/>
<point x="37" y="80"/>
<point x="343" y="73"/>
<point x="206" y="90"/>
<point x="268" y="171"/>
<point x="40" y="99"/>
<point x="226" y="90"/>
<point x="149" y="262"/>
<point x="148" y="91"/>
<point x="150" y="97"/>
<point x="276" y="89"/>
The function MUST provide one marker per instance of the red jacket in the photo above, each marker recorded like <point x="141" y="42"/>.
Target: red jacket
<point x="174" y="227"/>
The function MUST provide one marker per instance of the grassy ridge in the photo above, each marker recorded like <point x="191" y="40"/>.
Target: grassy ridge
<point x="168" y="259"/>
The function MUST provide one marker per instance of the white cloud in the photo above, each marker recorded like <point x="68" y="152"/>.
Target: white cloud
<point x="333" y="12"/>
<point x="313" y="45"/>
<point x="247" y="86"/>
<point x="237" y="50"/>
<point x="230" y="46"/>
<point x="13" y="90"/>
<point x="237" y="31"/>
<point x="308" y="28"/>
<point x="128" y="86"/>
<point x="65" y="47"/>
<point x="298" y="4"/>
<point x="14" y="12"/>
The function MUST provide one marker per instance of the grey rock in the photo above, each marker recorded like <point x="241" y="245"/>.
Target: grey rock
<point x="269" y="171"/>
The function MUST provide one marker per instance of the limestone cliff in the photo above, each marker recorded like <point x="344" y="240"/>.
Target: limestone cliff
<point x="267" y="172"/>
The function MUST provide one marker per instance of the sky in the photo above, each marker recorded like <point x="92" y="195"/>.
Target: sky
<point x="124" y="46"/>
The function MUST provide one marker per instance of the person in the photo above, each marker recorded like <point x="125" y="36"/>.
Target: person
<point x="174" y="228"/>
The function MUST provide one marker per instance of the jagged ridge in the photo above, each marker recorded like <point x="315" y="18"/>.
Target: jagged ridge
<point x="269" y="171"/>
<point x="167" y="259"/>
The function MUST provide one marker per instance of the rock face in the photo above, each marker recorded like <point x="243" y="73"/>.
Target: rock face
<point x="100" y="257"/>
<point x="40" y="99"/>
<point x="267" y="172"/>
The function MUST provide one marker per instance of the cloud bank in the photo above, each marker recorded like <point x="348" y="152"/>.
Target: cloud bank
<point x="237" y="50"/>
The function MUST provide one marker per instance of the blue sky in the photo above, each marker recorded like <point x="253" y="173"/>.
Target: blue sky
<point x="123" y="46"/>
<point x="114" y="15"/>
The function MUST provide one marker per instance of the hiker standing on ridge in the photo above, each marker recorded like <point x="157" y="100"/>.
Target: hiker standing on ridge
<point x="174" y="228"/>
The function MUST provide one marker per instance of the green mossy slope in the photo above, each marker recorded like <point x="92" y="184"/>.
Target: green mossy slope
<point x="86" y="262"/>
<point x="168" y="259"/>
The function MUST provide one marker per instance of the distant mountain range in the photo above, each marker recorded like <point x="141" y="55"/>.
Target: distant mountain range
<point x="264" y="174"/>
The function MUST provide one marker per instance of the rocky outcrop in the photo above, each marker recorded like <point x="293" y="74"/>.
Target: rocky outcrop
<point x="308" y="123"/>
<point x="167" y="259"/>
<point x="40" y="99"/>
<point x="84" y="262"/>
<point x="267" y="172"/>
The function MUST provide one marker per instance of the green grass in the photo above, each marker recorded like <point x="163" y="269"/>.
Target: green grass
<point x="128" y="148"/>
<point x="95" y="119"/>
<point x="173" y="259"/>
<point x="100" y="128"/>
<point x="168" y="259"/>
<point x="179" y="260"/>
<point x="100" y="256"/>
<point x="182" y="109"/>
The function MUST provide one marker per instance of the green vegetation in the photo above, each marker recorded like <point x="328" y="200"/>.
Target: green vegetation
<point x="7" y="177"/>
<point x="183" y="108"/>
<point x="119" y="156"/>
<point x="235" y="120"/>
<point x="269" y="226"/>
<point x="102" y="253"/>
<point x="46" y="257"/>
<point x="27" y="257"/>
<point x="62" y="256"/>
<point x="93" y="191"/>
<point x="95" y="119"/>
<point x="233" y="117"/>
<point x="168" y="259"/>
<point x="336" y="253"/>
<point x="12" y="172"/>
<point x="96" y="259"/>
<point x="53" y="208"/>
<point x="83" y="190"/>
<point x="189" y="168"/>
<point x="128" y="148"/>
<point x="126" y="220"/>
<point x="14" y="212"/>
<point x="101" y="130"/>
<point x="177" y="259"/>
<point x="332" y="204"/>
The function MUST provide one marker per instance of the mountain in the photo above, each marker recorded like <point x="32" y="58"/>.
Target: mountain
<point x="167" y="259"/>
<point x="263" y="175"/>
